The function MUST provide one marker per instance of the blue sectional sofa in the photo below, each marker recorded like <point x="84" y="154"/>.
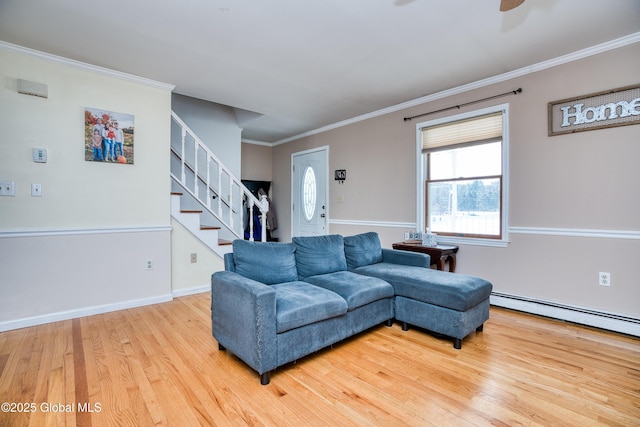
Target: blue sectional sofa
<point x="278" y="302"/>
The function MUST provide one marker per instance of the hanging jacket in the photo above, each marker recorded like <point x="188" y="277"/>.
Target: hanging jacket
<point x="272" y="223"/>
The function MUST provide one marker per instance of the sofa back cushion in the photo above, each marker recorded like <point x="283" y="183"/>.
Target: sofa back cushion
<point x="319" y="255"/>
<point x="362" y="249"/>
<point x="266" y="262"/>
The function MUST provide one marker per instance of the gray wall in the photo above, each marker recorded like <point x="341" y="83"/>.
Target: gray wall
<point x="216" y="125"/>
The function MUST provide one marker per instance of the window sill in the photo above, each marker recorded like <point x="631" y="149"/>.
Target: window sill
<point x="451" y="240"/>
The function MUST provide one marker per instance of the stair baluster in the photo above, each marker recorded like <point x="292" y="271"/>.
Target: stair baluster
<point x="229" y="215"/>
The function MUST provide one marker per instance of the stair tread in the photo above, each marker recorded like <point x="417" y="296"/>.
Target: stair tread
<point x="204" y="227"/>
<point x="209" y="227"/>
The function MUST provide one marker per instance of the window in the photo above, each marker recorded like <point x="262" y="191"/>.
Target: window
<point x="309" y="193"/>
<point x="462" y="161"/>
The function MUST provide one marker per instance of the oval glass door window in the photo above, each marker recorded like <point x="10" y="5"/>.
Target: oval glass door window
<point x="309" y="193"/>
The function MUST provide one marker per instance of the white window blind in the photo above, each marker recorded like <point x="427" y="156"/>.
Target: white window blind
<point x="463" y="131"/>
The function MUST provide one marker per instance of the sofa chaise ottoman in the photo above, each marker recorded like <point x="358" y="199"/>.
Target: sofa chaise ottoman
<point x="446" y="303"/>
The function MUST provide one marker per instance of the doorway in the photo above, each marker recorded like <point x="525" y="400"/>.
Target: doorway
<point x="309" y="192"/>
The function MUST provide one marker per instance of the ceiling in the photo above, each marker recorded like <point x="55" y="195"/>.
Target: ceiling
<point x="303" y="65"/>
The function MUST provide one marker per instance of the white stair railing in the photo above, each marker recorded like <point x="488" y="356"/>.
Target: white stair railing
<point x="201" y="174"/>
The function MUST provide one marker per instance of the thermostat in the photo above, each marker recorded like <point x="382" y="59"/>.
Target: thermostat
<point x="40" y="155"/>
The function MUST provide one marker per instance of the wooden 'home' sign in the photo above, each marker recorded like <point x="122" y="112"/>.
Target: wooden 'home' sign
<point x="617" y="107"/>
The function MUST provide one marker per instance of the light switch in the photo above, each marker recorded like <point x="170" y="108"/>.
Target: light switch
<point x="7" y="188"/>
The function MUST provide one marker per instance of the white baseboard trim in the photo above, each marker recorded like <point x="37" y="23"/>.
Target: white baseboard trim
<point x="583" y="316"/>
<point x="578" y="232"/>
<point x="598" y="319"/>
<point x="81" y="312"/>
<point x="191" y="291"/>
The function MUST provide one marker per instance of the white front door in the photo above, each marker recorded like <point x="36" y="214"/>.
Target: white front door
<point x="309" y="192"/>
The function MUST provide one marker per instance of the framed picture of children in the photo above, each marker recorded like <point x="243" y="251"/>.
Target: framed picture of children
<point x="108" y="136"/>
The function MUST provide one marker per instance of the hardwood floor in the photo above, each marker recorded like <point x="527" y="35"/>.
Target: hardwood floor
<point x="159" y="365"/>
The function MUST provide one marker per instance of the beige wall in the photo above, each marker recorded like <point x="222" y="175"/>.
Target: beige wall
<point x="83" y="246"/>
<point x="188" y="277"/>
<point x="574" y="202"/>
<point x="77" y="193"/>
<point x="256" y="162"/>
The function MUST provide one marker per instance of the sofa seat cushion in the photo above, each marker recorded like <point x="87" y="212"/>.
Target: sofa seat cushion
<point x="450" y="290"/>
<point x="265" y="262"/>
<point x="301" y="303"/>
<point x="362" y="249"/>
<point x="319" y="255"/>
<point x="356" y="289"/>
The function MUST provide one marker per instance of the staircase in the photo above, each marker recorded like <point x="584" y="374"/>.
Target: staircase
<point x="190" y="219"/>
<point x="206" y="198"/>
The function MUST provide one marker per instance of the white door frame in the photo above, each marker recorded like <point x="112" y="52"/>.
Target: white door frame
<point x="295" y="197"/>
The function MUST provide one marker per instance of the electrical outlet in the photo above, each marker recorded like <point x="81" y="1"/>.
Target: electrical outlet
<point x="149" y="264"/>
<point x="604" y="278"/>
<point x="194" y="258"/>
<point x="36" y="190"/>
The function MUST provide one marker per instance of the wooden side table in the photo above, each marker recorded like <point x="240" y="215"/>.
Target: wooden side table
<point x="439" y="254"/>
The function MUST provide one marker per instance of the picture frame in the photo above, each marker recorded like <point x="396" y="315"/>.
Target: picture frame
<point x="606" y="109"/>
<point x="109" y="136"/>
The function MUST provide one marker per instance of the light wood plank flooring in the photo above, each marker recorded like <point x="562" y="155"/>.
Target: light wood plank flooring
<point x="159" y="365"/>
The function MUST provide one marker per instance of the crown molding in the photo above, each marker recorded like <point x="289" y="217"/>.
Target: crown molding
<point x="86" y="67"/>
<point x="254" y="142"/>
<point x="584" y="53"/>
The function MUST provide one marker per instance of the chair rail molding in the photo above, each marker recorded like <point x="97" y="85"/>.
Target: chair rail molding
<point x="4" y="234"/>
<point x="366" y="223"/>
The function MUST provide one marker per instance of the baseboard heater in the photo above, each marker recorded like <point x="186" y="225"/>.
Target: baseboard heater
<point x="583" y="316"/>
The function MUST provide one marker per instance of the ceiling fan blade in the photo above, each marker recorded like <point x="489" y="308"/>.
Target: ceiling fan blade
<point x="506" y="5"/>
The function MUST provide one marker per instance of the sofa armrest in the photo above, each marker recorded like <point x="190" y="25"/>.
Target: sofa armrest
<point x="229" y="264"/>
<point x="396" y="256"/>
<point x="243" y="319"/>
